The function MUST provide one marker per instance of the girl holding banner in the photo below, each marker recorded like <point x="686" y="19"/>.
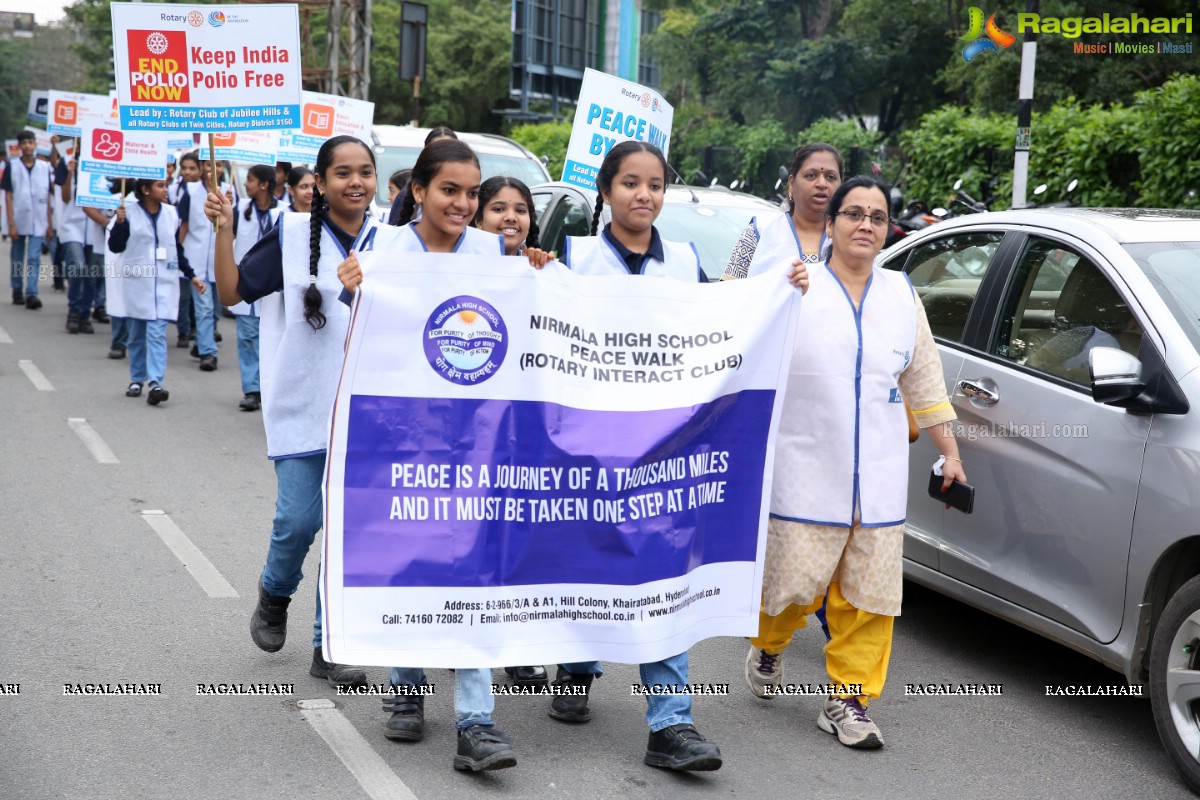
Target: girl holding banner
<point x="294" y="274"/>
<point x="145" y="288"/>
<point x="506" y="208"/>
<point x="445" y="186"/>
<point x="632" y="180"/>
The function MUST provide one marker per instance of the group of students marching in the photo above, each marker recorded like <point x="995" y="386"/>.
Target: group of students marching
<point x="834" y="539"/>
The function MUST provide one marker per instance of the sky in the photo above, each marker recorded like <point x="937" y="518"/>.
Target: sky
<point x="44" y="12"/>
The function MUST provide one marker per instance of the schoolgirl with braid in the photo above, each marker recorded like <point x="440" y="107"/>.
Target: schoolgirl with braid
<point x="291" y="272"/>
<point x="632" y="181"/>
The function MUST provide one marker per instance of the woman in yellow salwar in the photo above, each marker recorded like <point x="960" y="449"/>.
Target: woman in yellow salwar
<point x="836" y="530"/>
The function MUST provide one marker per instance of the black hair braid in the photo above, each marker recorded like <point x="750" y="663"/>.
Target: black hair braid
<point x="531" y="238"/>
<point x="596" y="215"/>
<point x="408" y="207"/>
<point x="312" y="295"/>
<point x="246" y="216"/>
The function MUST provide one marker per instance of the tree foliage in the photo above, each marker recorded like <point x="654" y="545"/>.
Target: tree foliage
<point x="44" y="62"/>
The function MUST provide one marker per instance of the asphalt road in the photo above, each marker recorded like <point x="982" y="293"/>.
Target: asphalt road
<point x="90" y="593"/>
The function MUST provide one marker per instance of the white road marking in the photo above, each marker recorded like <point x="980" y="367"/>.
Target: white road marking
<point x="4" y="337"/>
<point x="35" y="376"/>
<point x="189" y="555"/>
<point x="355" y="752"/>
<point x="97" y="446"/>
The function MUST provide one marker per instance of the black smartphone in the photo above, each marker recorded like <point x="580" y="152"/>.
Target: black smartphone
<point x="960" y="495"/>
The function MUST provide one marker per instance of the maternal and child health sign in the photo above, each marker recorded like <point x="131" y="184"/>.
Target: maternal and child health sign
<point x="207" y="68"/>
<point x="123" y="154"/>
<point x="612" y="110"/>
<point x="536" y="467"/>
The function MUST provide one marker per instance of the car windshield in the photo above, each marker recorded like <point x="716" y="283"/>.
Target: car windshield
<point x="713" y="229"/>
<point x="1174" y="269"/>
<point x="391" y="159"/>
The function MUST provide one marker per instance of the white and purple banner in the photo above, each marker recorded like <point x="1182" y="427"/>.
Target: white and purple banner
<point x="537" y="467"/>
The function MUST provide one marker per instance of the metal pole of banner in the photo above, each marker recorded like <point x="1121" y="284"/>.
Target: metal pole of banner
<point x="122" y="192"/>
<point x="1024" y="113"/>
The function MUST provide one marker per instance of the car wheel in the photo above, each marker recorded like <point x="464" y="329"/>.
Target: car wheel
<point x="1175" y="681"/>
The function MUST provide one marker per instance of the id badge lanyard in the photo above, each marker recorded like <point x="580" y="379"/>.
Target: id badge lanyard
<point x="160" y="253"/>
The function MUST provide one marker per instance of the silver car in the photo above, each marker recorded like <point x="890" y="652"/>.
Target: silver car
<point x="1070" y="340"/>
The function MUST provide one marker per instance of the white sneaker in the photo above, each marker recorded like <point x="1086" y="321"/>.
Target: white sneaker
<point x="846" y="717"/>
<point x="763" y="670"/>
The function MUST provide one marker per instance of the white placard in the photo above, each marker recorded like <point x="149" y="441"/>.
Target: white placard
<point x="253" y="147"/>
<point x="324" y="116"/>
<point x="92" y="190"/>
<point x="207" y="68"/>
<point x="70" y="112"/>
<point x="124" y="154"/>
<point x="39" y="103"/>
<point x="612" y="110"/>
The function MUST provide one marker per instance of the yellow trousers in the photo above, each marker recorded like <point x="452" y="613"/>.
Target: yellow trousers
<point x="858" y="649"/>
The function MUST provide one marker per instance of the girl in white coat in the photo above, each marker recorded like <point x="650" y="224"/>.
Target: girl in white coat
<point x="144" y="285"/>
<point x="292" y="273"/>
<point x="257" y="216"/>
<point x="632" y="181"/>
<point x="445" y="185"/>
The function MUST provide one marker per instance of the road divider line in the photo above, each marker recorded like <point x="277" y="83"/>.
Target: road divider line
<point x="35" y="376"/>
<point x="210" y="580"/>
<point x="97" y="446"/>
<point x="4" y="337"/>
<point x="355" y="752"/>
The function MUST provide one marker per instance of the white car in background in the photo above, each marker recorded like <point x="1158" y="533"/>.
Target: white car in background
<point x="397" y="148"/>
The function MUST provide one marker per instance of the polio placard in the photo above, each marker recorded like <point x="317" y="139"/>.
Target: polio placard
<point x="207" y="68"/>
<point x="612" y="110"/>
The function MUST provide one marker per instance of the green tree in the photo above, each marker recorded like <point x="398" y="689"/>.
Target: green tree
<point x="44" y="62"/>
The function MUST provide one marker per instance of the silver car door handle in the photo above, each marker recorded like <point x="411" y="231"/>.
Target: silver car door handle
<point x="973" y="387"/>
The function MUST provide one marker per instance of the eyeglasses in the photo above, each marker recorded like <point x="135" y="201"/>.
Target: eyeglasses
<point x="855" y="217"/>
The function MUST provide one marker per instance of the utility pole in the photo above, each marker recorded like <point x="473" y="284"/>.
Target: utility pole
<point x="1024" y="113"/>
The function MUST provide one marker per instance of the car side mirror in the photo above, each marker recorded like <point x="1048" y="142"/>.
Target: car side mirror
<point x="1116" y="375"/>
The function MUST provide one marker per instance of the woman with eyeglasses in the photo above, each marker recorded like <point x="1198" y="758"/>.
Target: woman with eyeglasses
<point x="838" y="500"/>
<point x="797" y="237"/>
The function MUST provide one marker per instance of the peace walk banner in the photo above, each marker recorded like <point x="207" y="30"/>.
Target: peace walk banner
<point x="536" y="467"/>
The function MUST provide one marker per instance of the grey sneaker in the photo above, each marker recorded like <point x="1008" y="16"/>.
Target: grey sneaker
<point x="846" y="717"/>
<point x="763" y="670"/>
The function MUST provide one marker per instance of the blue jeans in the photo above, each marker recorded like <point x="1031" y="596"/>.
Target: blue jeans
<point x="247" y="347"/>
<point x="206" y="323"/>
<point x="297" y="519"/>
<point x="120" y="332"/>
<point x="26" y="263"/>
<point x="81" y="285"/>
<point x="473" y="699"/>
<point x="147" y="350"/>
<point x="662" y="710"/>
<point x="184" y="320"/>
